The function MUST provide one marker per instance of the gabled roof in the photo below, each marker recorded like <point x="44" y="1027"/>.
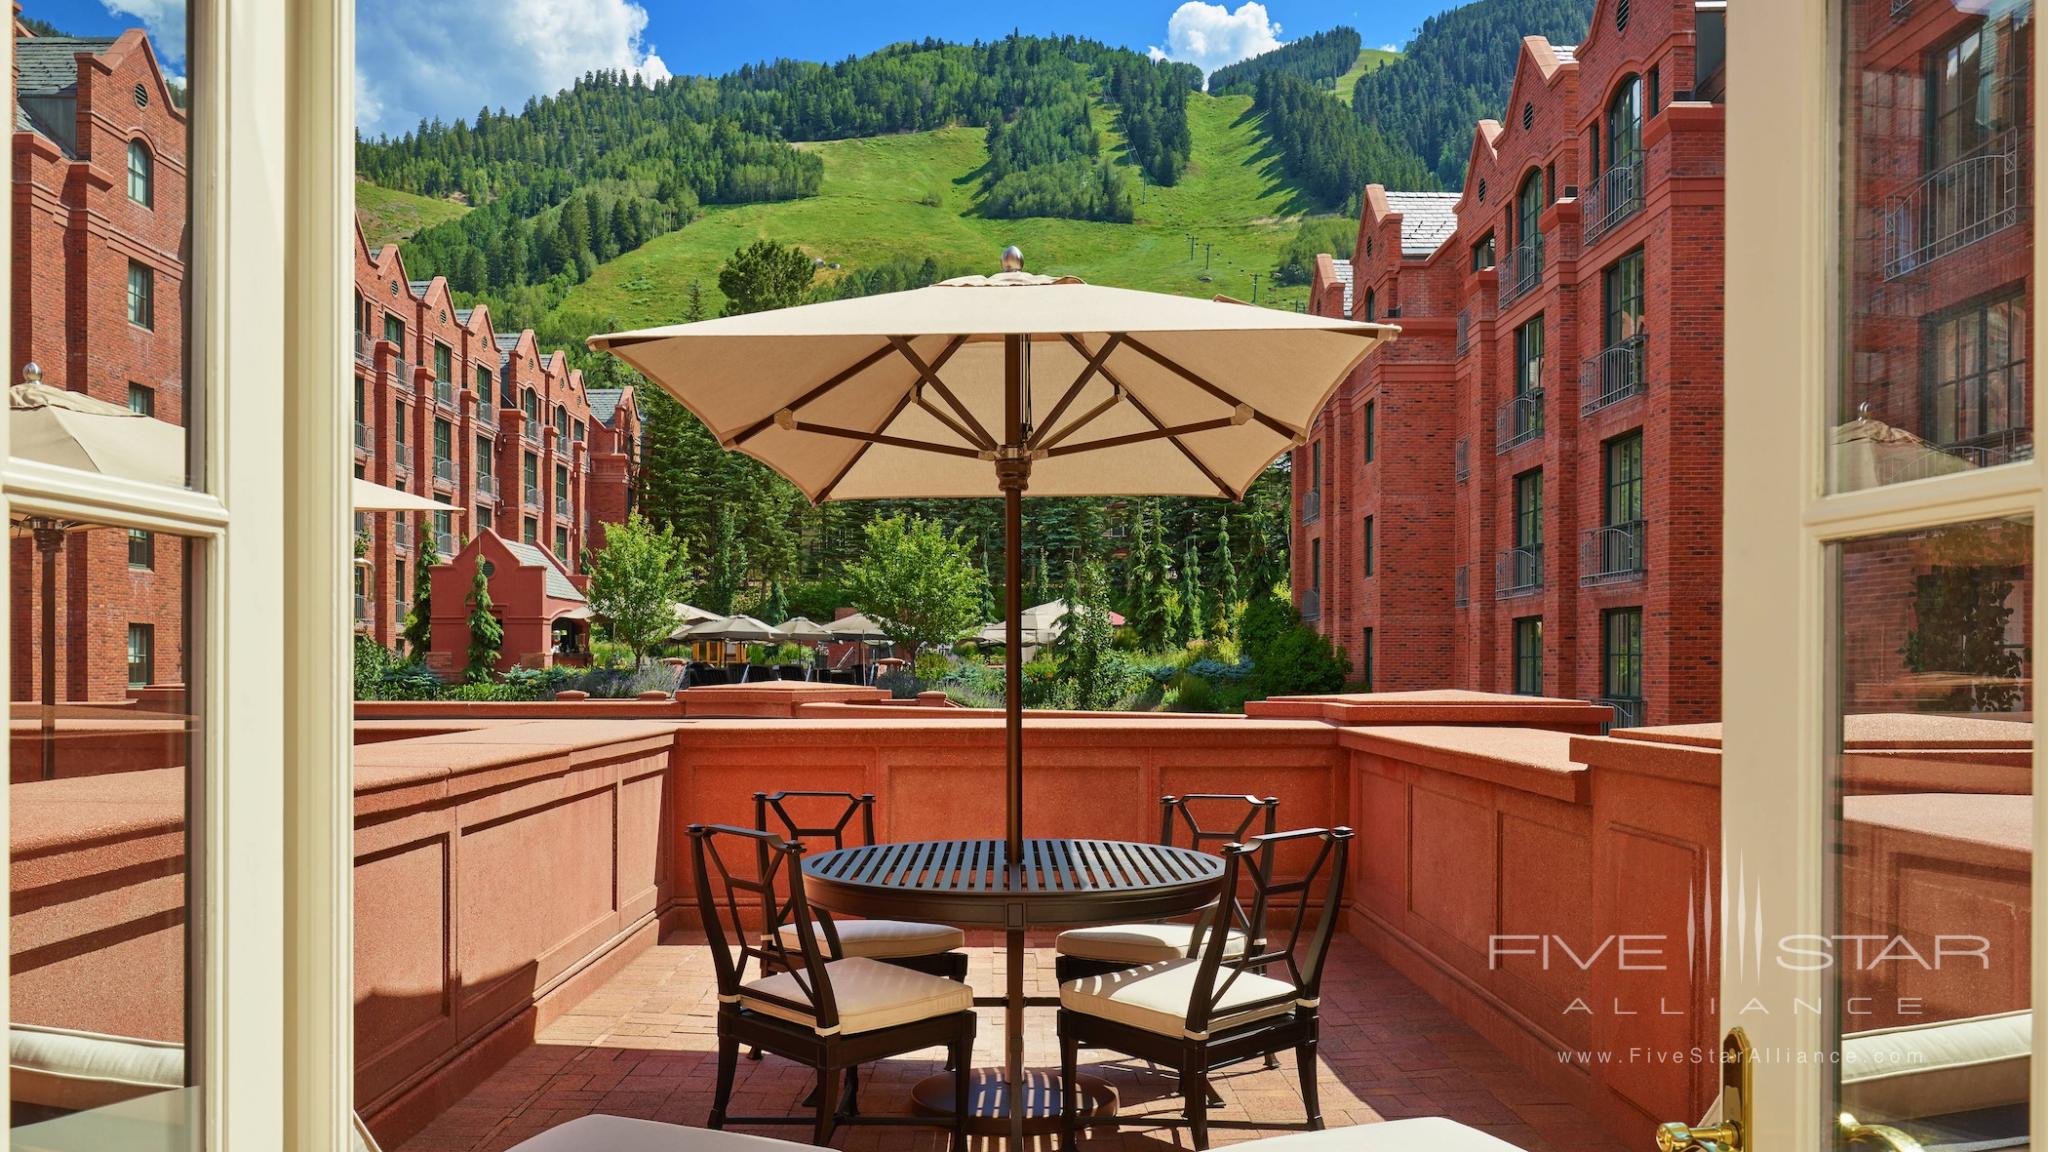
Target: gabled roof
<point x="419" y="287"/>
<point x="1427" y="219"/>
<point x="48" y="65"/>
<point x="557" y="583"/>
<point x="1565" y="53"/>
<point x="604" y="403"/>
<point x="1344" y="277"/>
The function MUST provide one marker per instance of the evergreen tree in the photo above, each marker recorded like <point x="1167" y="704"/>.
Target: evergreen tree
<point x="727" y="575"/>
<point x="1193" y="620"/>
<point x="1085" y="648"/>
<point x="419" y="621"/>
<point x="1149" y="617"/>
<point x="486" y="634"/>
<point x="1226" y="577"/>
<point x="765" y="275"/>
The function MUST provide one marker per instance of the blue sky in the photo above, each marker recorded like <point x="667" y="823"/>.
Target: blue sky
<point x="510" y="49"/>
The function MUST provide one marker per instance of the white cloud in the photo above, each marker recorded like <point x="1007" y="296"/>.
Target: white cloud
<point x="1390" y="47"/>
<point x="165" y="22"/>
<point x="1211" y="35"/>
<point x="419" y="61"/>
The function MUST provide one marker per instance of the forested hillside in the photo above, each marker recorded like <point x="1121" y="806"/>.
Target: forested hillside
<point x="1323" y="56"/>
<point x="1326" y="148"/>
<point x="1455" y="72"/>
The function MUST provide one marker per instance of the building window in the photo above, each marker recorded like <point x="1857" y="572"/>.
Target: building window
<point x="394" y="331"/>
<point x="444" y="362"/>
<point x="142" y="399"/>
<point x="141" y="295"/>
<point x="529" y="530"/>
<point x="577" y="434"/>
<point x="1365" y="661"/>
<point x="1315" y="467"/>
<point x="1621" y="287"/>
<point x="1977" y="374"/>
<point x="1529" y="655"/>
<point x="561" y="543"/>
<point x="1372" y="305"/>
<point x="1624" y="465"/>
<point x="1976" y="89"/>
<point x="530" y="404"/>
<point x="141" y="549"/>
<point x="1482" y="253"/>
<point x="398" y="433"/>
<point x="1371" y="419"/>
<point x="1529" y="509"/>
<point x="1656" y="90"/>
<point x="141" y="174"/>
<point x="444" y="528"/>
<point x="483" y="384"/>
<point x="1625" y="124"/>
<point x="1529" y="217"/>
<point x="1529" y="357"/>
<point x="561" y="481"/>
<point x="483" y="456"/>
<point x="529" y="474"/>
<point x="399" y="583"/>
<point x="1621" y="653"/>
<point x="1368" y="546"/>
<point x="444" y="444"/>
<point x="561" y="423"/>
<point x="141" y="655"/>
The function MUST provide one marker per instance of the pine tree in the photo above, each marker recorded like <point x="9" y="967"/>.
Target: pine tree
<point x="727" y="575"/>
<point x="1226" y="577"/>
<point x="1194" y="617"/>
<point x="419" y="623"/>
<point x="486" y="634"/>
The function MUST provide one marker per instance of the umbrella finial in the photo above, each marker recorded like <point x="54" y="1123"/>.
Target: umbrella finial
<point x="1013" y="259"/>
<point x="31" y="373"/>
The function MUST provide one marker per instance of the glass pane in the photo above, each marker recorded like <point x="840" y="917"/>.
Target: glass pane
<point x="102" y="234"/>
<point x="1937" y="241"/>
<point x="1934" y="849"/>
<point x="104" y="772"/>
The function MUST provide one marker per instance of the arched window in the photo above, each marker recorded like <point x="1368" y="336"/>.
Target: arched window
<point x="1529" y="209"/>
<point x="1625" y="125"/>
<point x="1372" y="305"/>
<point x="141" y="174"/>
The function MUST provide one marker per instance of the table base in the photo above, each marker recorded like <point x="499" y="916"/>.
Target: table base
<point x="988" y="1100"/>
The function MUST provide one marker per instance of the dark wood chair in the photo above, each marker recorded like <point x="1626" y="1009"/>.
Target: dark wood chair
<point x="1197" y="1016"/>
<point x="829" y="1015"/>
<point x="1080" y="952"/>
<point x="823" y="819"/>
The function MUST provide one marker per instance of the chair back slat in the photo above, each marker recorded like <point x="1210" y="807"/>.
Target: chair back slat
<point x="1251" y="863"/>
<point x="792" y="808"/>
<point x="1177" y="814"/>
<point x="760" y="864"/>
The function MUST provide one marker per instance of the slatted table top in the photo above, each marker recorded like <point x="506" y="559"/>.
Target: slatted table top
<point x="973" y="882"/>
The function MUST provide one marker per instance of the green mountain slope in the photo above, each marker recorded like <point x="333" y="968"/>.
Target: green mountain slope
<point x="1369" y="60"/>
<point x="389" y="216"/>
<point x="913" y="195"/>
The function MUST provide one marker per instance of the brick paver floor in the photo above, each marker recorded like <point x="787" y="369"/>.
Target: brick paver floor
<point x="644" y="1045"/>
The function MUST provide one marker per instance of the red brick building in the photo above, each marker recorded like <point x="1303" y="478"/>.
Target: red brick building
<point x="1523" y="492"/>
<point x="101" y="243"/>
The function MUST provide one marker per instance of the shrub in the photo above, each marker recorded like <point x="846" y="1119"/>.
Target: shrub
<point x="1190" y="694"/>
<point x="1265" y="619"/>
<point x="623" y="683"/>
<point x="932" y="665"/>
<point x="1298" y="661"/>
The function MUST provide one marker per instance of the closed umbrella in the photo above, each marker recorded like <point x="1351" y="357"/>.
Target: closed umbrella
<point x="998" y="385"/>
<point x="71" y="429"/>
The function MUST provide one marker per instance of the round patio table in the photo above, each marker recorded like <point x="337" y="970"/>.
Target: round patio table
<point x="1054" y="883"/>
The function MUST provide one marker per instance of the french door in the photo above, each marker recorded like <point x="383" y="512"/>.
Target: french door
<point x="1882" y="826"/>
<point x="173" y="476"/>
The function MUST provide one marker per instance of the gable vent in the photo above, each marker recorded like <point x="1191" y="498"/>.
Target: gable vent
<point x="1621" y="15"/>
<point x="141" y="96"/>
<point x="1482" y="190"/>
<point x="1528" y="115"/>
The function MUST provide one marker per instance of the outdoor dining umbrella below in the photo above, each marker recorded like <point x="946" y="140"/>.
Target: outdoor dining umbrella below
<point x="733" y="630"/>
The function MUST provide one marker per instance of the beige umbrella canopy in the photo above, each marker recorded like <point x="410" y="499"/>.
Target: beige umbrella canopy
<point x="736" y="629"/>
<point x="804" y="629"/>
<point x="1869" y="452"/>
<point x="368" y="496"/>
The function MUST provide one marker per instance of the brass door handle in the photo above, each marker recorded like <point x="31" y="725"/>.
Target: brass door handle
<point x="1685" y="1138"/>
<point x="1881" y="1135"/>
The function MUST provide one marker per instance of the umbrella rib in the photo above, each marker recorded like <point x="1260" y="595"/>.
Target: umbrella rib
<point x="929" y="374"/>
<point x="884" y="439"/>
<point x="1196" y="379"/>
<point x="1141" y="437"/>
<point x="1185" y="451"/>
<point x="933" y="410"/>
<point x="1082" y="421"/>
<point x="856" y="368"/>
<point x="1095" y="361"/>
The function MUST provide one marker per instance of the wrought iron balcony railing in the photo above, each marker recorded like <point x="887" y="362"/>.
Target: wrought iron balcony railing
<point x="1628" y="710"/>
<point x="445" y="543"/>
<point x="401" y="371"/>
<point x="1521" y="270"/>
<point x="1311" y="603"/>
<point x="366" y="348"/>
<point x="1614" y="554"/>
<point x="1312" y="506"/>
<point x="1519" y="421"/>
<point x="366" y="522"/>
<point x="1518" y="572"/>
<point x="362" y="609"/>
<point x="366" y="437"/>
<point x="562" y="506"/>
<point x="401" y="463"/>
<point x="486" y="412"/>
<point x="2005" y="447"/>
<point x="404" y="607"/>
<point x="401" y="534"/>
<point x="444" y="392"/>
<point x="530" y="497"/>
<point x="486" y="486"/>
<point x="1461" y="459"/>
<point x="1464" y="330"/>
<point x="1954" y="207"/>
<point x="447" y="471"/>
<point x="1461" y="587"/>
<point x="1614" y="196"/>
<point x="1612" y="376"/>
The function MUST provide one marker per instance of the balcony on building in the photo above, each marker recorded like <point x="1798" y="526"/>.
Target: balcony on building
<point x="1955" y="206"/>
<point x="1311" y="604"/>
<point x="366" y="437"/>
<point x="530" y="498"/>
<point x="1464" y="330"/>
<point x="1613" y="375"/>
<point x="1518" y="422"/>
<point x="444" y="393"/>
<point x="366" y="348"/>
<point x="486" y="486"/>
<point x="404" y="609"/>
<point x="1521" y="271"/>
<point x="401" y="463"/>
<point x="562" y="506"/>
<point x="446" y="543"/>
<point x="486" y="412"/>
<point x="363" y="614"/>
<point x="1613" y="555"/>
<point x="1629" y="711"/>
<point x="447" y="472"/>
<point x="1518" y="572"/>
<point x="401" y="533"/>
<point x="1312" y="506"/>
<point x="1614" y="196"/>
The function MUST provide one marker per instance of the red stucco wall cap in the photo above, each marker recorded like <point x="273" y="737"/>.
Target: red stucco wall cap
<point x="1530" y="759"/>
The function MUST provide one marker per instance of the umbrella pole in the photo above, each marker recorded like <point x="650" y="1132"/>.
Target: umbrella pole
<point x="1013" y="474"/>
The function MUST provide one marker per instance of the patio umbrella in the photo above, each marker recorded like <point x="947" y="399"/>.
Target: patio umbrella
<point x="57" y="426"/>
<point x="801" y="628"/>
<point x="734" y="629"/>
<point x="994" y="385"/>
<point x="369" y="496"/>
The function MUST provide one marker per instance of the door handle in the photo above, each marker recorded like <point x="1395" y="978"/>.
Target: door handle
<point x="1877" y="1135"/>
<point x="1731" y="1134"/>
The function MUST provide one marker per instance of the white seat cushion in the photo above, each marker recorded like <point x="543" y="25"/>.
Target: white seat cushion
<point x="868" y="993"/>
<point x="76" y="1071"/>
<point x="1156" y="997"/>
<point x="1421" y="1134"/>
<point x="1933" y="1069"/>
<point x="882" y="939"/>
<point x="1138" y="943"/>
<point x="620" y="1134"/>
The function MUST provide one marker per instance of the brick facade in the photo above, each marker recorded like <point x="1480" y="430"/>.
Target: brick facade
<point x="1548" y="427"/>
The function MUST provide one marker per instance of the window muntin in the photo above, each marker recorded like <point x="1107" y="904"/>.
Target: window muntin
<point x="141" y="549"/>
<point x="1529" y="210"/>
<point x="1623" y="462"/>
<point x="444" y="439"/>
<point x="483" y="385"/>
<point x="1528" y="523"/>
<point x="1621" y="286"/>
<point x="1483" y="253"/>
<point x="1621" y="653"/>
<point x="1529" y="357"/>
<point x="394" y="331"/>
<point x="1976" y="86"/>
<point x="529" y="530"/>
<point x="1977" y="375"/>
<point x="141" y="655"/>
<point x="1528" y="655"/>
<point x="444" y="362"/>
<point x="142" y="399"/>
<point x="483" y="456"/>
<point x="141" y="295"/>
<point x="141" y="174"/>
<point x="1315" y="467"/>
<point x="561" y="543"/>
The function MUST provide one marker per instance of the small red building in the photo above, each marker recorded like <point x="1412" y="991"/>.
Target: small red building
<point x="539" y="603"/>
